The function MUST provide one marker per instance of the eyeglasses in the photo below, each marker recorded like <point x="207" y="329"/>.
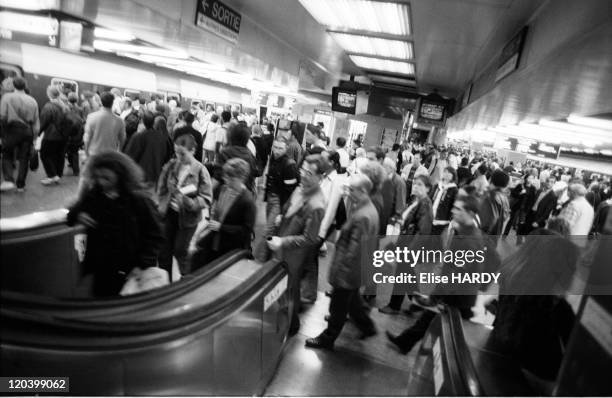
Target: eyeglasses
<point x="306" y="172"/>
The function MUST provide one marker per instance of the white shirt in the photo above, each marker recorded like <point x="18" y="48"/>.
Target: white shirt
<point x="421" y="170"/>
<point x="407" y="157"/>
<point x="579" y="214"/>
<point x="332" y="187"/>
<point x="345" y="159"/>
<point x="251" y="147"/>
<point x="453" y="162"/>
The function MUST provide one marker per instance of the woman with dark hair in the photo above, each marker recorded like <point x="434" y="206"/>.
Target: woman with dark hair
<point x="533" y="320"/>
<point x="184" y="190"/>
<point x="238" y="138"/>
<point x="416" y="220"/>
<point x="123" y="227"/>
<point x="232" y="217"/>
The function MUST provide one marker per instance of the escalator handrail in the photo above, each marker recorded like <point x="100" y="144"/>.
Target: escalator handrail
<point x="463" y="358"/>
<point x="36" y="220"/>
<point x="82" y="329"/>
<point x="151" y="297"/>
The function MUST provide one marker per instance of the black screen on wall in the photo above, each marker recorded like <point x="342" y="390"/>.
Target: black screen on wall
<point x="344" y="100"/>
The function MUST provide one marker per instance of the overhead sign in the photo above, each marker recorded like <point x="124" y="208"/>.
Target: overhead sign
<point x="216" y="17"/>
<point x="511" y="55"/>
<point x="527" y="146"/>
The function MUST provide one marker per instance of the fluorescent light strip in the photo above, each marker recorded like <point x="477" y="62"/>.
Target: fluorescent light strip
<point x="34" y="24"/>
<point x="374" y="46"/>
<point x="389" y="79"/>
<point x="582" y="130"/>
<point x="179" y="62"/>
<point x="385" y="65"/>
<point x="594" y="122"/>
<point x="31" y="4"/>
<point x="103" y="33"/>
<point x="110" y="46"/>
<point x="539" y="133"/>
<point x="373" y="16"/>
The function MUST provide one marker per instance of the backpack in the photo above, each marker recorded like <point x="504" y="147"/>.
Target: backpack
<point x="72" y="126"/>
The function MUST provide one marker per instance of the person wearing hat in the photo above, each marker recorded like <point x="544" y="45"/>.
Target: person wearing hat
<point x="55" y="138"/>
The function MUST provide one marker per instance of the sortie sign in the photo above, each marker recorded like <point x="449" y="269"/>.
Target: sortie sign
<point x="218" y="18"/>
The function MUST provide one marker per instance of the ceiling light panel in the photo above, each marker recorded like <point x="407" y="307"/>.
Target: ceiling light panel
<point x="373" y="16"/>
<point x="395" y="80"/>
<point x="110" y="46"/>
<point x="384" y="65"/>
<point x="374" y="46"/>
<point x="598" y="123"/>
<point x="103" y="33"/>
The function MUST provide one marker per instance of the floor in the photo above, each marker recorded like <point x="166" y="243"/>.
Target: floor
<point x="370" y="367"/>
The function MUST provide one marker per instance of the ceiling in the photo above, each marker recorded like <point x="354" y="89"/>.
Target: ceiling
<point x="454" y="40"/>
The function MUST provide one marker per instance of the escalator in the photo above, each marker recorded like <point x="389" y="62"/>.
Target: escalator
<point x="220" y="331"/>
<point x="455" y="359"/>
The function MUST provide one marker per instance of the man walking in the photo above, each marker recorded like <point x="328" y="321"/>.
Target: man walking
<point x="20" y="124"/>
<point x="357" y="237"/>
<point x="55" y="138"/>
<point x="297" y="239"/>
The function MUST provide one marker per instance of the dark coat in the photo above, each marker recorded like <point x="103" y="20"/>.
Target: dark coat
<point x="545" y="208"/>
<point x="235" y="232"/>
<point x="463" y="175"/>
<point x="128" y="234"/>
<point x="355" y="244"/>
<point x="494" y="211"/>
<point x="151" y="149"/>
<point x="241" y="152"/>
<point x="420" y="219"/>
<point x="443" y="212"/>
<point x="52" y="122"/>
<point x="533" y="330"/>
<point x="282" y="178"/>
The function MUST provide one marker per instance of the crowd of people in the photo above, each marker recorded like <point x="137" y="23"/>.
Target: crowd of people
<point x="159" y="179"/>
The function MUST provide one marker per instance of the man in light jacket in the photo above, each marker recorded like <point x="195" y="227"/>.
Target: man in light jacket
<point x="297" y="238"/>
<point x="356" y="243"/>
<point x="103" y="130"/>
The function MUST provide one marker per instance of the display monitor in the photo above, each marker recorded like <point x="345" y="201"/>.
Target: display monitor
<point x="344" y="100"/>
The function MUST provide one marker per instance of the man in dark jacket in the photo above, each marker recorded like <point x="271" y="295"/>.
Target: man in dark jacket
<point x="55" y="138"/>
<point x="463" y="173"/>
<point x="494" y="212"/>
<point x="281" y="180"/>
<point x="346" y="269"/>
<point x="188" y="118"/>
<point x="149" y="148"/>
<point x="465" y="225"/>
<point x="546" y="201"/>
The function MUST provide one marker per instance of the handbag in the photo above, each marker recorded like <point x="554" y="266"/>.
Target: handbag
<point x="33" y="161"/>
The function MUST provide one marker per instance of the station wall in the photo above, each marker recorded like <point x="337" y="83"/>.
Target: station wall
<point x="565" y="67"/>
